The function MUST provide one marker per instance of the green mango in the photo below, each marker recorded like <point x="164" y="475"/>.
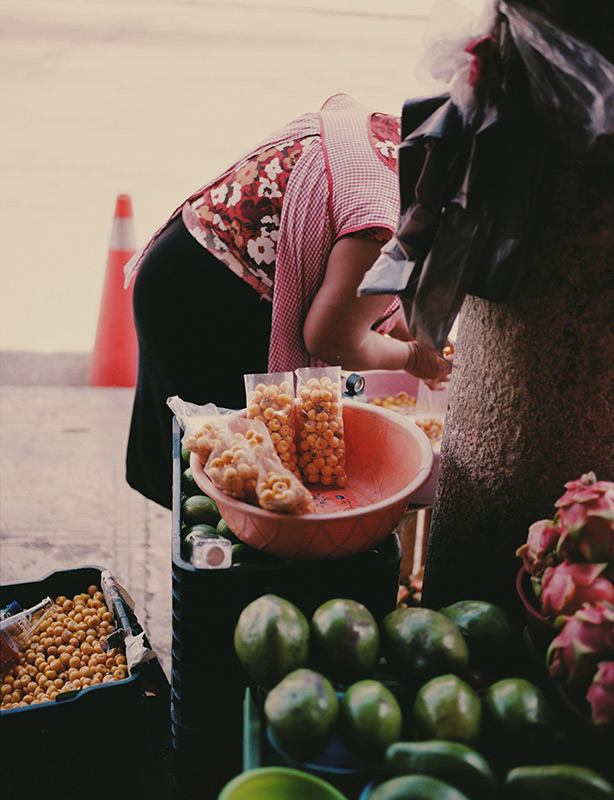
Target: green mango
<point x="271" y="639"/>
<point x="556" y="782"/>
<point x="200" y="509"/>
<point x="416" y="787"/>
<point x="519" y="714"/>
<point x="448" y="708"/>
<point x="224" y="529"/>
<point x="419" y="644"/>
<point x="370" y="718"/>
<point x="301" y="711"/>
<point x="452" y="762"/>
<point x="493" y="639"/>
<point x="344" y="640"/>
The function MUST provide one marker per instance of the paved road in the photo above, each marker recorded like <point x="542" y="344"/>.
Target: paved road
<point x="64" y="501"/>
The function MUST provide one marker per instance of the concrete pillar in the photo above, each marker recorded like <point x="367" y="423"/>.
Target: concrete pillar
<point x="532" y="395"/>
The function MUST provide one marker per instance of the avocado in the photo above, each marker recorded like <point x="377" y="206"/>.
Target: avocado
<point x="416" y="787"/>
<point x="556" y="782"/>
<point x="419" y="644"/>
<point x="301" y="711"/>
<point x="448" y="708"/>
<point x="493" y="638"/>
<point x="452" y="762"/>
<point x="344" y="640"/>
<point x="519" y="714"/>
<point x="370" y="718"/>
<point x="271" y="639"/>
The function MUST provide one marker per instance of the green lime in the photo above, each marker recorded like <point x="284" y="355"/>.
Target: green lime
<point x="201" y="528"/>
<point x="244" y="554"/>
<point x="224" y="530"/>
<point x="370" y="718"/>
<point x="196" y="531"/>
<point x="520" y="713"/>
<point x="448" y="708"/>
<point x="188" y="484"/>
<point x="200" y="509"/>
<point x="185" y="454"/>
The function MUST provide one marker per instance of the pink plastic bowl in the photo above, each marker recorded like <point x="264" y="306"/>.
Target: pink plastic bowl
<point x="382" y="383"/>
<point x="387" y="461"/>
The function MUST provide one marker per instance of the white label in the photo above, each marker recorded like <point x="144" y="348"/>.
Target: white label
<point x="211" y="553"/>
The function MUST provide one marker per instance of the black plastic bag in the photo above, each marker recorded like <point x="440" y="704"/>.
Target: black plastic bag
<point x="469" y="180"/>
<point x="466" y="204"/>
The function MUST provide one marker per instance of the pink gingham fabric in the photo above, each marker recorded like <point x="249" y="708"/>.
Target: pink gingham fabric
<point x="340" y="184"/>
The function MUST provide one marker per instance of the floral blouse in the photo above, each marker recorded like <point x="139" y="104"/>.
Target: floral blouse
<point x="237" y="219"/>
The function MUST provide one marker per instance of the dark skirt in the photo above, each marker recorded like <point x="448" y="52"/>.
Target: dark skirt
<point x="200" y="329"/>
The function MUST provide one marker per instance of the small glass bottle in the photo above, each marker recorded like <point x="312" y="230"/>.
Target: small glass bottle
<point x="17" y="629"/>
<point x="208" y="551"/>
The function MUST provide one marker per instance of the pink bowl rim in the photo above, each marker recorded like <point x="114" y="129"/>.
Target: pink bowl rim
<point x="408" y="491"/>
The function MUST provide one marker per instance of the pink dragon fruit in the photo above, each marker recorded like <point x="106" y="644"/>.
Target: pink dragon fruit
<point x="585" y="518"/>
<point x="601" y="694"/>
<point x="539" y="551"/>
<point x="566" y="587"/>
<point x="587" y="638"/>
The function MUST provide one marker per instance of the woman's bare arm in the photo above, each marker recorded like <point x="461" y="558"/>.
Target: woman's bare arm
<point x="337" y="329"/>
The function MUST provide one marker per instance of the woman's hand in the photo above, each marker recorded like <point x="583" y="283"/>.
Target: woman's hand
<point x="338" y="326"/>
<point x="422" y="362"/>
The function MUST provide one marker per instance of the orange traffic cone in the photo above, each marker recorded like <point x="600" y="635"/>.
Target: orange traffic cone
<point x="115" y="354"/>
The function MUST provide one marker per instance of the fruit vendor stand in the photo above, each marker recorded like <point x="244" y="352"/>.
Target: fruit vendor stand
<point x="468" y="705"/>
<point x="466" y="702"/>
<point x="350" y="552"/>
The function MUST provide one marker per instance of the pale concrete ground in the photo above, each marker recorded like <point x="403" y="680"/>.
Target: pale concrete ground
<point x="64" y="500"/>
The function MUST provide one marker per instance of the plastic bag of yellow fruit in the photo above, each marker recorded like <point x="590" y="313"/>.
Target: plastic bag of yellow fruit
<point x="319" y="425"/>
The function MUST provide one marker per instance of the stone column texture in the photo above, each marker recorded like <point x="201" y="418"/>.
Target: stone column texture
<point x="531" y="402"/>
